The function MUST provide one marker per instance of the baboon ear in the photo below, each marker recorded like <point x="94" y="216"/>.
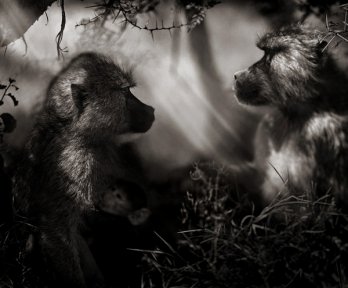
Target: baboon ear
<point x="79" y="96"/>
<point x="139" y="217"/>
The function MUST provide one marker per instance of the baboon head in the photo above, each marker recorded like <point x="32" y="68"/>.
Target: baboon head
<point x="125" y="199"/>
<point x="289" y="71"/>
<point x="97" y="98"/>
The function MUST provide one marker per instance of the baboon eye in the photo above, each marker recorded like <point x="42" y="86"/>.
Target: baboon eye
<point x="126" y="86"/>
<point x="125" y="89"/>
<point x="119" y="196"/>
<point x="268" y="57"/>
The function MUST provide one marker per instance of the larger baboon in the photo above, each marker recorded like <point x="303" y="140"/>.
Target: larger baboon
<point x="301" y="145"/>
<point x="73" y="154"/>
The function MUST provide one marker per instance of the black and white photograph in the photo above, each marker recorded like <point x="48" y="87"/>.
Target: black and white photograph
<point x="173" y="143"/>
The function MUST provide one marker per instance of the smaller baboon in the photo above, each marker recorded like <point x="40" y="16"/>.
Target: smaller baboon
<point x="125" y="199"/>
<point x="72" y="155"/>
<point x="120" y="222"/>
<point x="301" y="145"/>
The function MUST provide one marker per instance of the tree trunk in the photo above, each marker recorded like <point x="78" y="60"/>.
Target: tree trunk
<point x="230" y="127"/>
<point x="16" y="17"/>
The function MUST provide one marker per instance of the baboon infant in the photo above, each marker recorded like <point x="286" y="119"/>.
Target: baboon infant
<point x="72" y="154"/>
<point x="301" y="145"/>
<point x="125" y="199"/>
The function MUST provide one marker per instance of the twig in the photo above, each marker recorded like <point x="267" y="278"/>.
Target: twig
<point x="15" y="101"/>
<point x="127" y="10"/>
<point x="328" y="43"/>
<point x="280" y="176"/>
<point x="47" y="20"/>
<point x="338" y="32"/>
<point x="59" y="36"/>
<point x="26" y="45"/>
<point x="4" y="94"/>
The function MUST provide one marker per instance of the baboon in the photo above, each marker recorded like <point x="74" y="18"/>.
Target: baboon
<point x="73" y="153"/>
<point x="301" y="145"/>
<point x="125" y="199"/>
<point x="120" y="222"/>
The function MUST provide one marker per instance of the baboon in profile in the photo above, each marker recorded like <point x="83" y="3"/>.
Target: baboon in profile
<point x="301" y="145"/>
<point x="73" y="154"/>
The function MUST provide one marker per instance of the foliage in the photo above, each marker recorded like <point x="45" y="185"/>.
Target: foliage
<point x="293" y="241"/>
<point x="11" y="240"/>
<point x="336" y="30"/>
<point x="196" y="11"/>
<point x="7" y="120"/>
<point x="129" y="10"/>
<point x="20" y="264"/>
<point x="317" y="7"/>
<point x="6" y="92"/>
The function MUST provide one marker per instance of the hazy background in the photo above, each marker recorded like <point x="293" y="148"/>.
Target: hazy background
<point x="186" y="77"/>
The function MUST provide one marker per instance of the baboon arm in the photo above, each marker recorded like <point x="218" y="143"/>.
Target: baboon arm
<point x="63" y="256"/>
<point x="328" y="135"/>
<point x="80" y="191"/>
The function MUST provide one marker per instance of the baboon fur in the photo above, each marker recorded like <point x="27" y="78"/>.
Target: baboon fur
<point x="72" y="154"/>
<point x="301" y="145"/>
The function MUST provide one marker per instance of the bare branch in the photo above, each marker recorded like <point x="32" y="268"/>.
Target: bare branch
<point x="60" y="34"/>
<point x="336" y="33"/>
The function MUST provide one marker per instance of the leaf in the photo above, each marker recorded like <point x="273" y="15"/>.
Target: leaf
<point x="11" y="80"/>
<point x="16" y="87"/>
<point x="2" y="86"/>
<point x="15" y="101"/>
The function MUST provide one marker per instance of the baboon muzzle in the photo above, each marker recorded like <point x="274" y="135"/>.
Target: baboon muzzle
<point x="141" y="115"/>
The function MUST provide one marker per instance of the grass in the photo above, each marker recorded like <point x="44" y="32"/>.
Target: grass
<point x="224" y="243"/>
<point x="21" y="264"/>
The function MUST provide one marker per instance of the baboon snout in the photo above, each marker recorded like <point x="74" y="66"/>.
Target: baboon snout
<point x="150" y="115"/>
<point x="149" y="112"/>
<point x="142" y="116"/>
<point x="239" y="74"/>
<point x="150" y="109"/>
